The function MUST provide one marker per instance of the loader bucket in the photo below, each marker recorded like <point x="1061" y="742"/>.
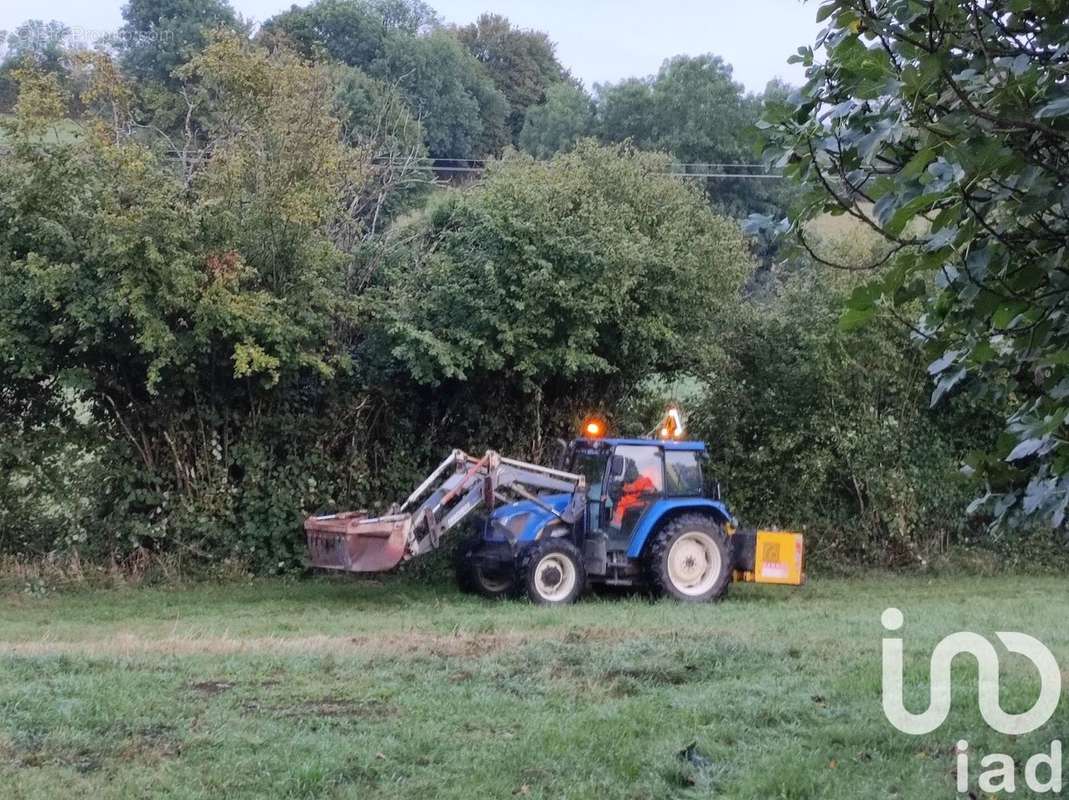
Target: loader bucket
<point x="354" y="542"/>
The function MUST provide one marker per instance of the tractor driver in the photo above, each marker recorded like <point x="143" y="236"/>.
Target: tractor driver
<point x="634" y="494"/>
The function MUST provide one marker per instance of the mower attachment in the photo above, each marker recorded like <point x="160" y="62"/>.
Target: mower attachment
<point x="769" y="557"/>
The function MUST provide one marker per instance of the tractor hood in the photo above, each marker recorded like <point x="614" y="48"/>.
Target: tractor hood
<point x="522" y="521"/>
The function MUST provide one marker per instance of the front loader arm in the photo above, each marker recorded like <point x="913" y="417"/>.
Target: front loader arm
<point x="357" y="543"/>
<point x="486" y="482"/>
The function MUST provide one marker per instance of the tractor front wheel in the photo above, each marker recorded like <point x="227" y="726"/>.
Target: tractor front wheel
<point x="552" y="572"/>
<point x="690" y="559"/>
<point x="473" y="576"/>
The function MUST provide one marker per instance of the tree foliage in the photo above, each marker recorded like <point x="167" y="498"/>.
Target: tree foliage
<point x="34" y="44"/>
<point x="695" y="110"/>
<point x="812" y="426"/>
<point x="158" y="36"/>
<point x="944" y="126"/>
<point x="461" y="111"/>
<point x="351" y="33"/>
<point x="505" y="312"/>
<point x="522" y="63"/>
<point x="182" y="319"/>
<point x="38" y="44"/>
<point x="564" y="269"/>
<point x="566" y="116"/>
<point x="463" y="114"/>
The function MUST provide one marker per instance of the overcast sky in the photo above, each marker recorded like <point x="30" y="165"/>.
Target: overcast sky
<point x="599" y="40"/>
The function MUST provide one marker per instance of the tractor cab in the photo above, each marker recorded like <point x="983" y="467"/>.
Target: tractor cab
<point x="626" y="478"/>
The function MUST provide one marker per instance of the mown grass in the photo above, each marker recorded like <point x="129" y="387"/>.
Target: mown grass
<point x="384" y="689"/>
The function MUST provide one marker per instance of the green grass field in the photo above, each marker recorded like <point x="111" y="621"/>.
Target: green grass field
<point x="65" y="131"/>
<point x="384" y="689"/>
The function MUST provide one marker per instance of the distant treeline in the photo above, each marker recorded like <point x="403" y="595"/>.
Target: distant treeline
<point x="471" y="90"/>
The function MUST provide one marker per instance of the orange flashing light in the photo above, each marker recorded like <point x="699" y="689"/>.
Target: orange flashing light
<point x="672" y="427"/>
<point x="594" y="428"/>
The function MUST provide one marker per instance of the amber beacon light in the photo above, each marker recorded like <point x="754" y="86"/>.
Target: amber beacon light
<point x="672" y="427"/>
<point x="593" y="428"/>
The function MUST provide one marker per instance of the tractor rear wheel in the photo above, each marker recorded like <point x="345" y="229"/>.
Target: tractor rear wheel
<point x="552" y="572"/>
<point x="474" y="578"/>
<point x="690" y="559"/>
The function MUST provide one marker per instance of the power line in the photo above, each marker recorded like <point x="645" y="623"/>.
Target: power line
<point x="697" y="169"/>
<point x="433" y="165"/>
<point x="469" y="161"/>
<point x="673" y="174"/>
<point x="441" y="163"/>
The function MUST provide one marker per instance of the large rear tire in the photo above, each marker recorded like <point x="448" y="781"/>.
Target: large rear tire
<point x="690" y="559"/>
<point x="552" y="573"/>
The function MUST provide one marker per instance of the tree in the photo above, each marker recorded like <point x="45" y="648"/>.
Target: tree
<point x="593" y="266"/>
<point x="376" y="118"/>
<point x="40" y="45"/>
<point x="829" y="431"/>
<point x="695" y="110"/>
<point x="353" y="32"/>
<point x="412" y="17"/>
<point x="161" y="35"/>
<point x="701" y="111"/>
<point x="692" y="108"/>
<point x="551" y="287"/>
<point x="522" y="64"/>
<point x="35" y="44"/>
<point x="626" y="111"/>
<point x="945" y="128"/>
<point x="194" y="322"/>
<point x="556" y="125"/>
<point x="348" y="31"/>
<point x="462" y="112"/>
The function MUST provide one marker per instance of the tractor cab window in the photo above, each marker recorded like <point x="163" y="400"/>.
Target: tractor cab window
<point x="683" y="473"/>
<point x="591" y="465"/>
<point x="635" y="480"/>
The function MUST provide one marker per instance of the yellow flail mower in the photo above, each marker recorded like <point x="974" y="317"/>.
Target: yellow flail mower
<point x="622" y="512"/>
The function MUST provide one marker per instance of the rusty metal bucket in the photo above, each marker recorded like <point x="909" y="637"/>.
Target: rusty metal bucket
<point x="354" y="542"/>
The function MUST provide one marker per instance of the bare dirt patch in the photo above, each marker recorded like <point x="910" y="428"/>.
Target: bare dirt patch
<point x="212" y="687"/>
<point x="458" y="645"/>
<point x="151" y="745"/>
<point x="82" y="761"/>
<point x="327" y="707"/>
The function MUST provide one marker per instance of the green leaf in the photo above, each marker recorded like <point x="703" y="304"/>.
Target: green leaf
<point x="826" y="11"/>
<point x="916" y="165"/>
<point x="854" y="318"/>
<point x="865" y="296"/>
<point x="943" y="362"/>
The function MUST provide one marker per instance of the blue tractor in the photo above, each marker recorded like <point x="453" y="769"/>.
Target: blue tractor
<point x="644" y="518"/>
<point x="621" y="512"/>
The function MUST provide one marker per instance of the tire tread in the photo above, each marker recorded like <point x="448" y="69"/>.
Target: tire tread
<point x="662" y="542"/>
<point x="532" y="555"/>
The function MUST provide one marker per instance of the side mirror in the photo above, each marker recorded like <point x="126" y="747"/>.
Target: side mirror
<point x="617" y="465"/>
<point x="711" y="488"/>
